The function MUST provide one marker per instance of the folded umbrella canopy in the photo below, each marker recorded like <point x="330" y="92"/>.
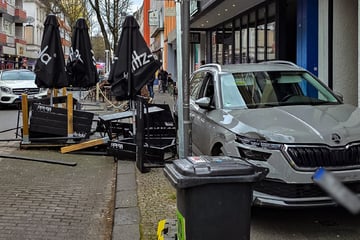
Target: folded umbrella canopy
<point x="50" y="65"/>
<point x="81" y="67"/>
<point x="134" y="63"/>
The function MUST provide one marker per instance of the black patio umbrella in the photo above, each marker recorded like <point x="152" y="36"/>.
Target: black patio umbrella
<point x="50" y="65"/>
<point x="81" y="67"/>
<point x="134" y="63"/>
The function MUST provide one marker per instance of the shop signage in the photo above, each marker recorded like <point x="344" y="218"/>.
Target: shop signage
<point x="8" y="50"/>
<point x="153" y="18"/>
<point x="170" y="12"/>
<point x="20" y="49"/>
<point x="194" y="7"/>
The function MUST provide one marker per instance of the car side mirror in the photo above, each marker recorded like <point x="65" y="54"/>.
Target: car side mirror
<point x="339" y="96"/>
<point x="204" y="103"/>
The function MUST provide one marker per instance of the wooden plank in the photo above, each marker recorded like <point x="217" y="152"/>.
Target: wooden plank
<point x="87" y="144"/>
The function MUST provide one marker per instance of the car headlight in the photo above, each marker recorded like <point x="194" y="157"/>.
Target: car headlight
<point x="43" y="90"/>
<point x="5" y="89"/>
<point x="257" y="143"/>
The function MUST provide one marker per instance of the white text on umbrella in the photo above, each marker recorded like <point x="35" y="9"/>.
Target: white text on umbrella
<point x="139" y="61"/>
<point x="44" y="57"/>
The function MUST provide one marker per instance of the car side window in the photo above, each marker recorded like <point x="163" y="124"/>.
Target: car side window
<point x="195" y="84"/>
<point x="209" y="88"/>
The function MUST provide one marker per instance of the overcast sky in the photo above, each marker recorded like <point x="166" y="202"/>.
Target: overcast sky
<point x="136" y="4"/>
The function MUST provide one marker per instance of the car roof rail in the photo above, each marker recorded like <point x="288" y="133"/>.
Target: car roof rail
<point x="281" y="62"/>
<point x="215" y="65"/>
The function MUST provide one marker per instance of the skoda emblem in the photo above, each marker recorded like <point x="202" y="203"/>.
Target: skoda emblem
<point x="336" y="138"/>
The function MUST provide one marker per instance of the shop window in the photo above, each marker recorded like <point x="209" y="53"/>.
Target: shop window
<point x="271" y="41"/>
<point x="228" y="43"/>
<point x="214" y="51"/>
<point x="261" y="31"/>
<point x="219" y="47"/>
<point x="252" y="37"/>
<point x="237" y="58"/>
<point x="244" y="39"/>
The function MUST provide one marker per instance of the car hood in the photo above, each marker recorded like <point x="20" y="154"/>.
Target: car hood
<point x="330" y="124"/>
<point x="18" y="84"/>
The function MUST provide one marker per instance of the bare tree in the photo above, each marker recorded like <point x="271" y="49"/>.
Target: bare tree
<point x="72" y="9"/>
<point x="110" y="15"/>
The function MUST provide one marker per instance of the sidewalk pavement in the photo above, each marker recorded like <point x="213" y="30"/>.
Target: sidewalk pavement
<point x="47" y="201"/>
<point x="142" y="199"/>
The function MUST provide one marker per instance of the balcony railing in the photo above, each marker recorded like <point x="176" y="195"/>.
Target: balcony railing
<point x="20" y="15"/>
<point x="3" y="38"/>
<point x="20" y="40"/>
<point x="3" y="6"/>
<point x="10" y="10"/>
<point x="10" y="41"/>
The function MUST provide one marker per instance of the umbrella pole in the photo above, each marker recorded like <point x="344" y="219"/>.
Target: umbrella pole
<point x="51" y="96"/>
<point x="130" y="79"/>
<point x="133" y="109"/>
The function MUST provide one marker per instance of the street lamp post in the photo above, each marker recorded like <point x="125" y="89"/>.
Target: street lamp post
<point x="182" y="43"/>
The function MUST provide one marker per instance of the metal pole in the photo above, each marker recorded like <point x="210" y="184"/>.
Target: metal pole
<point x="186" y="70"/>
<point x="107" y="61"/>
<point x="179" y="60"/>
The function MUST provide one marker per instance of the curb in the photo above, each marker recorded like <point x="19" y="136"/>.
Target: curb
<point x="126" y="213"/>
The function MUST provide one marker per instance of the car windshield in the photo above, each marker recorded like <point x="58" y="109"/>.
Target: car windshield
<point x="17" y="75"/>
<point x="268" y="89"/>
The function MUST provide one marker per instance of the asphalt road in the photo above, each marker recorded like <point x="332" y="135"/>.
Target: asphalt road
<point x="8" y="121"/>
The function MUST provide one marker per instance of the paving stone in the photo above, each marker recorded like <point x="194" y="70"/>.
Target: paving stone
<point x="126" y="216"/>
<point x="126" y="232"/>
<point x="126" y="198"/>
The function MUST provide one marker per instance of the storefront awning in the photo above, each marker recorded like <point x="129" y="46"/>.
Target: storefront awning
<point x="210" y="15"/>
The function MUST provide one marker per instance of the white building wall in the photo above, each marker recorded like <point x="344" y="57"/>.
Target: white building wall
<point x="345" y="63"/>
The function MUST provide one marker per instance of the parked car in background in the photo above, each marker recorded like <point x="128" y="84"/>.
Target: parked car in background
<point x="13" y="83"/>
<point x="279" y="116"/>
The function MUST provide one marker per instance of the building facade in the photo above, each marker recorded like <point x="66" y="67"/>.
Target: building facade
<point x="34" y="29"/>
<point x="318" y="35"/>
<point x="12" y="44"/>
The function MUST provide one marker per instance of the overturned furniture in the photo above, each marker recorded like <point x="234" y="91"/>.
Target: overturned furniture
<point x="159" y="136"/>
<point x="46" y="125"/>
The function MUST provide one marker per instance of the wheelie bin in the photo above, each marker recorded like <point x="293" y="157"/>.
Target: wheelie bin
<point x="214" y="196"/>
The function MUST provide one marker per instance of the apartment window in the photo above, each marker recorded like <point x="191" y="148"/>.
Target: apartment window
<point x="8" y="27"/>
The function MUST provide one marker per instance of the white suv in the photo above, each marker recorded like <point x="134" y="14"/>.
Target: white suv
<point x="13" y="83"/>
<point x="279" y="116"/>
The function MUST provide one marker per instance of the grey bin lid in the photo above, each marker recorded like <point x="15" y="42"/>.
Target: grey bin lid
<point x="200" y="170"/>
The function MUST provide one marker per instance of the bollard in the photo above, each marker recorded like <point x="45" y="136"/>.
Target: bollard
<point x="25" y="118"/>
<point x="70" y="118"/>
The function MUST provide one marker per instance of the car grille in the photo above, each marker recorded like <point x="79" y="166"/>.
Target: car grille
<point x="29" y="91"/>
<point x="297" y="190"/>
<point x="313" y="157"/>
